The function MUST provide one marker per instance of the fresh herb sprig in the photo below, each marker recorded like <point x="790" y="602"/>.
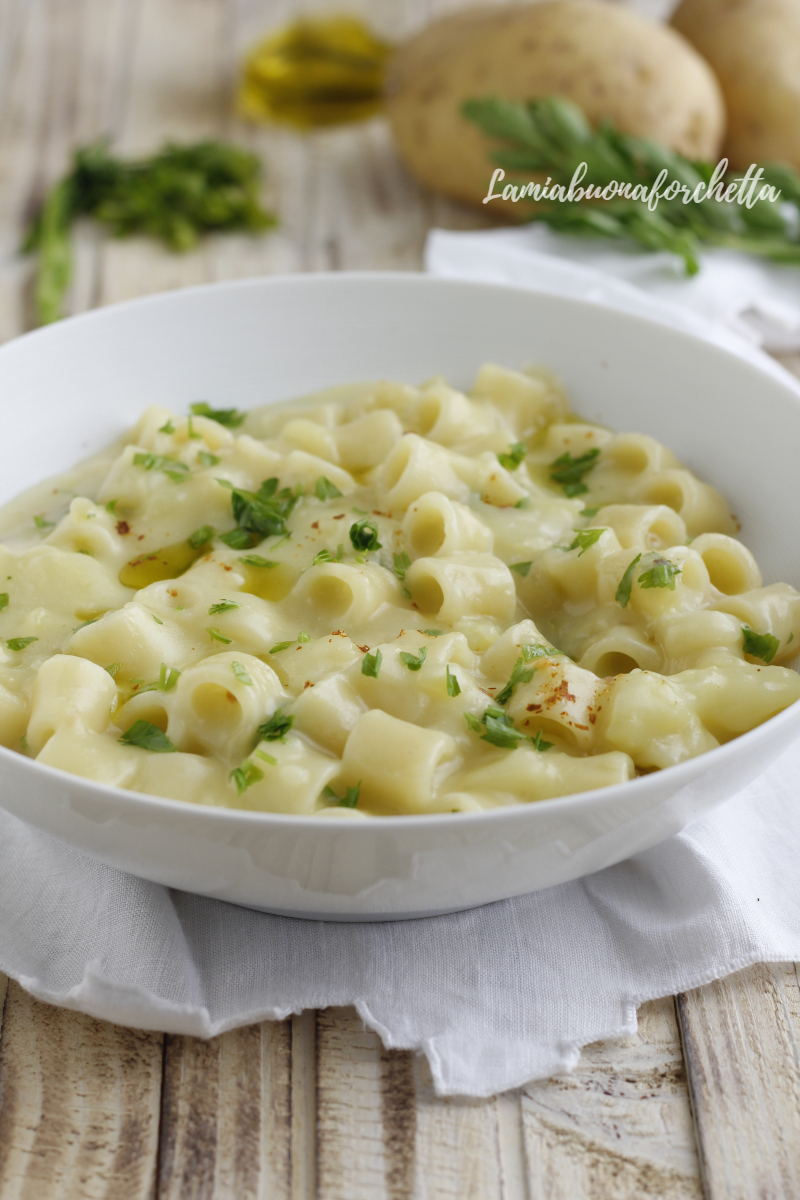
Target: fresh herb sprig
<point x="552" y="137"/>
<point x="175" y="195"/>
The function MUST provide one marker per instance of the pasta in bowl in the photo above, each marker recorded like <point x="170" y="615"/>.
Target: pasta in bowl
<point x="450" y="610"/>
<point x="385" y="600"/>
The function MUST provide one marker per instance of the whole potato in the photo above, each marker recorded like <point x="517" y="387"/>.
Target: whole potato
<point x="613" y="63"/>
<point x="754" y="48"/>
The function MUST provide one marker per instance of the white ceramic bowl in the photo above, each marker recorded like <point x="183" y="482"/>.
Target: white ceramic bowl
<point x="67" y="390"/>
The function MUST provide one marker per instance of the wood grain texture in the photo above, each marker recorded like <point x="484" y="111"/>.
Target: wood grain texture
<point x="619" y="1127"/>
<point x="79" y="1105"/>
<point x="226" y="1116"/>
<point x="742" y="1044"/>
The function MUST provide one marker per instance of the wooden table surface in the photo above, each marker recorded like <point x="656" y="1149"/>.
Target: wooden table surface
<point x="704" y="1100"/>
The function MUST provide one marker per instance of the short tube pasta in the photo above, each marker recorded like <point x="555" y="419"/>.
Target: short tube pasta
<point x="462" y="584"/>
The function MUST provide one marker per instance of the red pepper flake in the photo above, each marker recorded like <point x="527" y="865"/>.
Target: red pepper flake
<point x="122" y="528"/>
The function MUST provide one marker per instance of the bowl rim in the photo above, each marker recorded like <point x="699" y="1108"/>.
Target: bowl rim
<point x="638" y="786"/>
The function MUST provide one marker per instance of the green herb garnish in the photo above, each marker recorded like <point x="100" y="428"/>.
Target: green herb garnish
<point x="414" y="661"/>
<point x="41" y="523"/>
<point x="661" y="574"/>
<point x="276" y="727"/>
<point x="348" y="800"/>
<point x="519" y="674"/>
<point x="4" y="599"/>
<point x="147" y="737"/>
<point x="113" y="669"/>
<point x="521" y="568"/>
<point x="157" y="620"/>
<point x="111" y="507"/>
<point x="241" y="674"/>
<point x="623" y="593"/>
<point x="263" y="512"/>
<point x="200" y="536"/>
<point x="364" y="535"/>
<point x="453" y="686"/>
<point x="433" y="632"/>
<point x="255" y="560"/>
<point x="21" y="642"/>
<point x="222" y="606"/>
<point x="172" y="468"/>
<point x="231" y="418"/>
<point x="322" y="557"/>
<point x="206" y="459"/>
<point x="303" y="637"/>
<point x="537" y="650"/>
<point x="590" y="512"/>
<point x="168" y="428"/>
<point x="217" y="636"/>
<point x="500" y="731"/>
<point x="538" y="744"/>
<point x="279" y="646"/>
<point x="371" y="664"/>
<point x="245" y="776"/>
<point x="760" y="645"/>
<point x="401" y="564"/>
<point x="515" y="455"/>
<point x="273" y="762"/>
<point x="325" y="490"/>
<point x="238" y="539"/>
<point x="569" y="471"/>
<point x="585" y="538"/>
<point x="167" y="678"/>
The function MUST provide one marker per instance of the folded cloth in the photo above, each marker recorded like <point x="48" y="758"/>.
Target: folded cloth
<point x="493" y="997"/>
<point x="736" y="300"/>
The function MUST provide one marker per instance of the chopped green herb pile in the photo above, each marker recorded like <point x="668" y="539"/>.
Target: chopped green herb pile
<point x="174" y="195"/>
<point x="258" y="514"/>
<point x="172" y="467"/>
<point x="552" y="137"/>
<point x="760" y="645"/>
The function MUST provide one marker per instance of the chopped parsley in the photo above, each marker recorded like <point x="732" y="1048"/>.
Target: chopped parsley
<point x="401" y="564"/>
<point x="172" y="468"/>
<point x="4" y="599"/>
<point x="585" y="538"/>
<point x="200" y="536"/>
<point x="237" y="539"/>
<point x="322" y="557"/>
<point x="569" y="471"/>
<point x="217" y="636"/>
<point x="499" y="729"/>
<point x="20" y="643"/>
<point x="519" y="674"/>
<point x="590" y="512"/>
<point x="325" y="490"/>
<point x="364" y="535"/>
<point x="348" y="800"/>
<point x="371" y="664"/>
<point x="245" y="776"/>
<point x="273" y="762"/>
<point x="206" y="459"/>
<point x="157" y="620"/>
<point x="222" y="606"/>
<point x="759" y="645"/>
<point x="453" y="686"/>
<point x="515" y="455"/>
<point x="23" y="741"/>
<point x="255" y="560"/>
<point x="168" y="428"/>
<point x="521" y="568"/>
<point x="263" y="512"/>
<point x="147" y="737"/>
<point x="537" y="650"/>
<point x="623" y="593"/>
<point x="414" y="661"/>
<point x="192" y="435"/>
<point x="538" y="744"/>
<point x="433" y="632"/>
<point x="661" y="574"/>
<point x="276" y="727"/>
<point x="303" y="637"/>
<point x="231" y="418"/>
<point x="111" y="507"/>
<point x="167" y="678"/>
<point x="41" y="523"/>
<point x="241" y="674"/>
<point x="279" y="646"/>
<point x="113" y="669"/>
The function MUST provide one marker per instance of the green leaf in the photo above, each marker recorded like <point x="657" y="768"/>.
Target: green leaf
<point x="222" y="606"/>
<point x="401" y="564"/>
<point x="267" y="758"/>
<point x="518" y="675"/>
<point x="279" y="646"/>
<point x="537" y="650"/>
<point x="413" y="661"/>
<point x="255" y="560"/>
<point x="433" y="632"/>
<point x="238" y="539"/>
<point x="20" y="643"/>
<point x="206" y="459"/>
<point x="217" y="636"/>
<point x="515" y="455"/>
<point x="303" y="637"/>
<point x="760" y="645"/>
<point x="147" y="737"/>
<point x="538" y="744"/>
<point x="585" y="538"/>
<point x="472" y="722"/>
<point x="172" y="468"/>
<point x="453" y="686"/>
<point x="111" y="507"/>
<point x="168" y="428"/>
<point x="241" y="674"/>
<point x="569" y="472"/>
<point x="521" y="568"/>
<point x="231" y="418"/>
<point x="41" y="523"/>
<point x="499" y="731"/>
<point x="661" y="574"/>
<point x="167" y="678"/>
<point x="322" y="557"/>
<point x="348" y="800"/>
<point x="4" y="599"/>
<point x="263" y="512"/>
<point x="276" y="727"/>
<point x="325" y="490"/>
<point x="371" y="664"/>
<point x="201" y="536"/>
<point x="157" y="620"/>
<point x="590" y="512"/>
<point x="623" y="593"/>
<point x="113" y="669"/>
<point x="364" y="535"/>
<point x="245" y="776"/>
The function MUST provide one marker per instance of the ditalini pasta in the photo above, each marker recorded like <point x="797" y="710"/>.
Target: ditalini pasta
<point x="383" y="600"/>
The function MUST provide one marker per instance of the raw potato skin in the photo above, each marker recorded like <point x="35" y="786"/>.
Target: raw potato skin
<point x="754" y="47"/>
<point x="615" y="64"/>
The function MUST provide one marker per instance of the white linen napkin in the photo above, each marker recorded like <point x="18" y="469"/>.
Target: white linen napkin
<point x="493" y="997"/>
